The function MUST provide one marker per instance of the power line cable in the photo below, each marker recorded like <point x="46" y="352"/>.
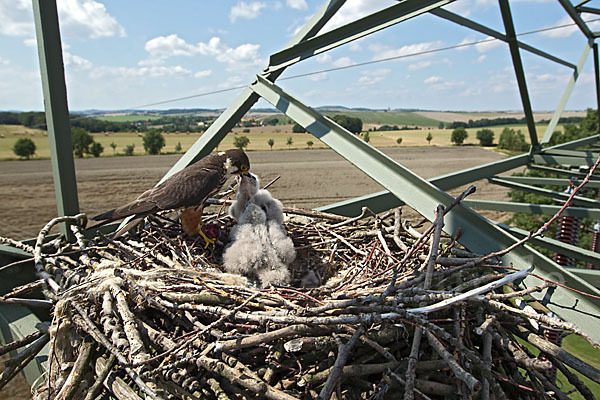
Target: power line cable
<point x="362" y="64"/>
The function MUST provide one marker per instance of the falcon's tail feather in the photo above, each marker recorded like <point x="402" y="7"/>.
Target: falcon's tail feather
<point x="109" y="215"/>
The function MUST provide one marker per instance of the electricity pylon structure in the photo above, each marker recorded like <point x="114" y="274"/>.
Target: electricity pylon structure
<point x="402" y="186"/>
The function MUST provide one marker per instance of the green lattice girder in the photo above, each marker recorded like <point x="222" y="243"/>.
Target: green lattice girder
<point x="477" y="233"/>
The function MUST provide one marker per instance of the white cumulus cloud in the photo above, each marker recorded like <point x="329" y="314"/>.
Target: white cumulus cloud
<point x="203" y="74"/>
<point x="373" y="76"/>
<point x="432" y="79"/>
<point x="246" y="10"/>
<point x="242" y="56"/>
<point x="87" y="18"/>
<point x="76" y="61"/>
<point x="355" y="9"/>
<point x="381" y="51"/>
<point x="169" y="46"/>
<point x="488" y="44"/>
<point x="297" y="4"/>
<point x="138" y="72"/>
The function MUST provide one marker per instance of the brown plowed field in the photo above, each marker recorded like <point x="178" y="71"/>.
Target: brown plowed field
<point x="309" y="178"/>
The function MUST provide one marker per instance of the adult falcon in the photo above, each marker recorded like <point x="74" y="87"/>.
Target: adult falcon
<point x="188" y="189"/>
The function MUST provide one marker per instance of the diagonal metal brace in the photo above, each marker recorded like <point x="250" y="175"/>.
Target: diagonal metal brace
<point x="477" y="233"/>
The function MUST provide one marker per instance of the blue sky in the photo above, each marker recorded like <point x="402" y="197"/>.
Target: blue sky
<point x="123" y="54"/>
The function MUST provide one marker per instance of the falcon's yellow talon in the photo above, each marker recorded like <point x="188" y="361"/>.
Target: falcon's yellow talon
<point x="207" y="240"/>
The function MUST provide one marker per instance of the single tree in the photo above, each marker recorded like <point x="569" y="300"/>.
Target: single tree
<point x="153" y="141"/>
<point x="82" y="140"/>
<point x="297" y="128"/>
<point x="24" y="147"/>
<point x="485" y="137"/>
<point x="429" y="138"/>
<point x="399" y="140"/>
<point x="96" y="149"/>
<point x="441" y="125"/>
<point x="459" y="135"/>
<point x="129" y="149"/>
<point x="289" y="141"/>
<point x="271" y="142"/>
<point x="178" y="147"/>
<point x="114" y="147"/>
<point x="351" y="124"/>
<point x="241" y="142"/>
<point x="512" y="140"/>
<point x="310" y="144"/>
<point x="366" y="137"/>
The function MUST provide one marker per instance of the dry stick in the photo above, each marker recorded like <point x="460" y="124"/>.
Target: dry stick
<point x="336" y="370"/>
<point x="113" y="383"/>
<point x="137" y="351"/>
<point x="77" y="372"/>
<point x="20" y="343"/>
<point x="573" y="379"/>
<point x="472" y="382"/>
<point x="23" y="289"/>
<point x="520" y="293"/>
<point x="97" y="335"/>
<point x="487" y="362"/>
<point x="362" y="214"/>
<point x="15" y="365"/>
<point x="560" y="354"/>
<point x="95" y="389"/>
<point x="472" y="293"/>
<point x="245" y="378"/>
<point x="268" y="337"/>
<point x="544" y="319"/>
<point x="36" y="303"/>
<point x="414" y="351"/>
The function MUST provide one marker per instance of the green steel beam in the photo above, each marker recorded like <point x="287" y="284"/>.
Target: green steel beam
<point x="511" y="37"/>
<point x="529" y="180"/>
<point x="557" y="246"/>
<point x="477" y="233"/>
<point x="572" y="153"/>
<point x="579" y="200"/>
<point x="384" y="200"/>
<point x="597" y="80"/>
<point x="576" y="18"/>
<point x="17" y="322"/>
<point x="565" y="96"/>
<point x="242" y="104"/>
<point x="558" y="171"/>
<point x="440" y="12"/>
<point x="592" y="276"/>
<point x="57" y="111"/>
<point x="530" y="208"/>
<point x="352" y="31"/>
<point x="549" y="159"/>
<point x="590" y="10"/>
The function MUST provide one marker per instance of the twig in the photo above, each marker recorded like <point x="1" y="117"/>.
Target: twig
<point x="336" y="371"/>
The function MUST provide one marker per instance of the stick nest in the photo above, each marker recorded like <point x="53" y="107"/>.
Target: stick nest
<point x="373" y="312"/>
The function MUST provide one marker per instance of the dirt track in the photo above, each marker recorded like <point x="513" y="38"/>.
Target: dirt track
<point x="308" y="179"/>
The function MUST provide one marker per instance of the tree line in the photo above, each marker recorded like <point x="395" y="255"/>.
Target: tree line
<point x="480" y="123"/>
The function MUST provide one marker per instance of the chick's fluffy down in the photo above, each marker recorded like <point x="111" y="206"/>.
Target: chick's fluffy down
<point x="259" y="249"/>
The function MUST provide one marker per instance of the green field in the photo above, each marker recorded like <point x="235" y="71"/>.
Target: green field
<point x="258" y="136"/>
<point x="390" y="118"/>
<point x="129" y="118"/>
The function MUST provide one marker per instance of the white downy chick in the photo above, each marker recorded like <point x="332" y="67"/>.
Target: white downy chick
<point x="246" y="252"/>
<point x="248" y="185"/>
<point x="260" y="247"/>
